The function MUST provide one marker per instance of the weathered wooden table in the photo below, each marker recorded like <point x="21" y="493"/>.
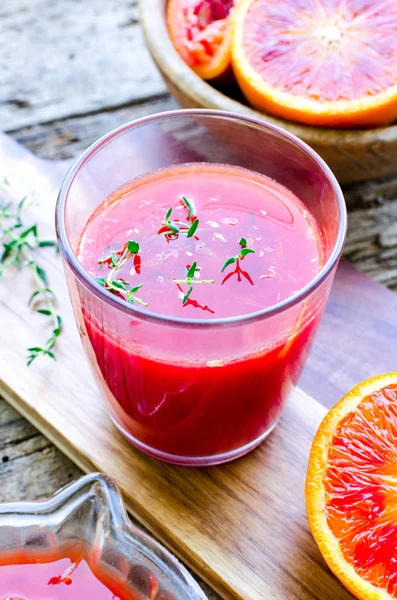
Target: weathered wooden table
<point x="70" y="71"/>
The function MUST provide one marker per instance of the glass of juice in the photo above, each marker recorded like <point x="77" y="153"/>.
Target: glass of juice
<point x="199" y="249"/>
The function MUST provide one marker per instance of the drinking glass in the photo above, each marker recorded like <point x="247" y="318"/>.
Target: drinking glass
<point x="190" y="391"/>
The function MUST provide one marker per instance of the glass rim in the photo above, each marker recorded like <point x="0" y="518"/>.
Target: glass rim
<point x="147" y="315"/>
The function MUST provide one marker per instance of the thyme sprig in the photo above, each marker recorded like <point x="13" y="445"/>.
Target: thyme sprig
<point x="20" y="243"/>
<point x="236" y="259"/>
<point x="172" y="229"/>
<point x="116" y="261"/>
<point x="191" y="280"/>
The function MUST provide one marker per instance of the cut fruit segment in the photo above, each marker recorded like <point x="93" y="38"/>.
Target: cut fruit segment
<point x="351" y="489"/>
<point x="201" y="33"/>
<point x="321" y="62"/>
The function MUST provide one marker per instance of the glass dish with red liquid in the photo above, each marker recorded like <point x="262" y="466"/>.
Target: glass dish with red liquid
<point x="199" y="248"/>
<point x="79" y="544"/>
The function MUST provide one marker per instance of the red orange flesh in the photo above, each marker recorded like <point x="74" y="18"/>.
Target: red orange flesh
<point x="201" y="33"/>
<point x="351" y="489"/>
<point x="322" y="62"/>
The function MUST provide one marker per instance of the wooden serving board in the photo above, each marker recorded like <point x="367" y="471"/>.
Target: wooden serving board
<point x="242" y="527"/>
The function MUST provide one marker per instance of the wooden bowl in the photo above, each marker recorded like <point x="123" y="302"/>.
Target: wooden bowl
<point x="353" y="155"/>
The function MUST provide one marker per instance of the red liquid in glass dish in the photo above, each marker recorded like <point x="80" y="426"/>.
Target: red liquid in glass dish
<point x="36" y="578"/>
<point x="191" y="406"/>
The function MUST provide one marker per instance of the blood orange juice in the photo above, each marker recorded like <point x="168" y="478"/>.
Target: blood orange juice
<point x="37" y="576"/>
<point x="255" y="244"/>
<point x="197" y="317"/>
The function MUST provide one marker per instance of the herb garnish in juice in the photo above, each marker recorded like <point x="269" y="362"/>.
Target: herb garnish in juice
<point x="236" y="259"/>
<point x="172" y="229"/>
<point x="115" y="263"/>
<point x="190" y="281"/>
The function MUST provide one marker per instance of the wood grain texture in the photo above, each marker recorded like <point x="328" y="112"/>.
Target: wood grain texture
<point x="353" y="155"/>
<point x="241" y="527"/>
<point x="71" y="57"/>
<point x="372" y="239"/>
<point x="67" y="138"/>
<point x="30" y="466"/>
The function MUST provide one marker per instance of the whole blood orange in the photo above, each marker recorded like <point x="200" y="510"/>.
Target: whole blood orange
<point x="351" y="489"/>
<point x="201" y="33"/>
<point x="321" y="62"/>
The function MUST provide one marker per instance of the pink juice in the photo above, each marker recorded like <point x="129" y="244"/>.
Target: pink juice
<point x="255" y="245"/>
<point x="53" y="577"/>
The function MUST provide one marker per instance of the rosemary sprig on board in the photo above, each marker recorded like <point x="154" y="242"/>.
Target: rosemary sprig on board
<point x="20" y="243"/>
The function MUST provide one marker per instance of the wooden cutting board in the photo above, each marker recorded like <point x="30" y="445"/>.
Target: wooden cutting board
<point x="242" y="527"/>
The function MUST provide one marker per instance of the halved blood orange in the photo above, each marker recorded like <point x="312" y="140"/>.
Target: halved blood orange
<point x="201" y="33"/>
<point x="351" y="489"/>
<point x="321" y="62"/>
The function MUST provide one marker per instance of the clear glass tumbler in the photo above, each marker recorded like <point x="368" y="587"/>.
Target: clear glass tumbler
<point x="187" y="391"/>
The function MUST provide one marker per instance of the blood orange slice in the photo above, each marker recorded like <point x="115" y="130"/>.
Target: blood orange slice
<point x="351" y="489"/>
<point x="201" y="33"/>
<point x="321" y="62"/>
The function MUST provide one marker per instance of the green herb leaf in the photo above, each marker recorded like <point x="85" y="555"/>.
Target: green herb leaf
<point x="42" y="274"/>
<point x="6" y="253"/>
<point x="100" y="280"/>
<point x="243" y="241"/>
<point x="115" y="259"/>
<point x="169" y="213"/>
<point x="44" y="311"/>
<point x="133" y="247"/>
<point x="47" y="243"/>
<point x="190" y="207"/>
<point x="191" y="272"/>
<point x="49" y="291"/>
<point x="193" y="228"/>
<point x="33" y="296"/>
<point x="246" y="251"/>
<point x="186" y="296"/>
<point x="25" y="233"/>
<point x="21" y="204"/>
<point x="229" y="261"/>
<point x="173" y="227"/>
<point x="135" y="289"/>
<point x="119" y="285"/>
